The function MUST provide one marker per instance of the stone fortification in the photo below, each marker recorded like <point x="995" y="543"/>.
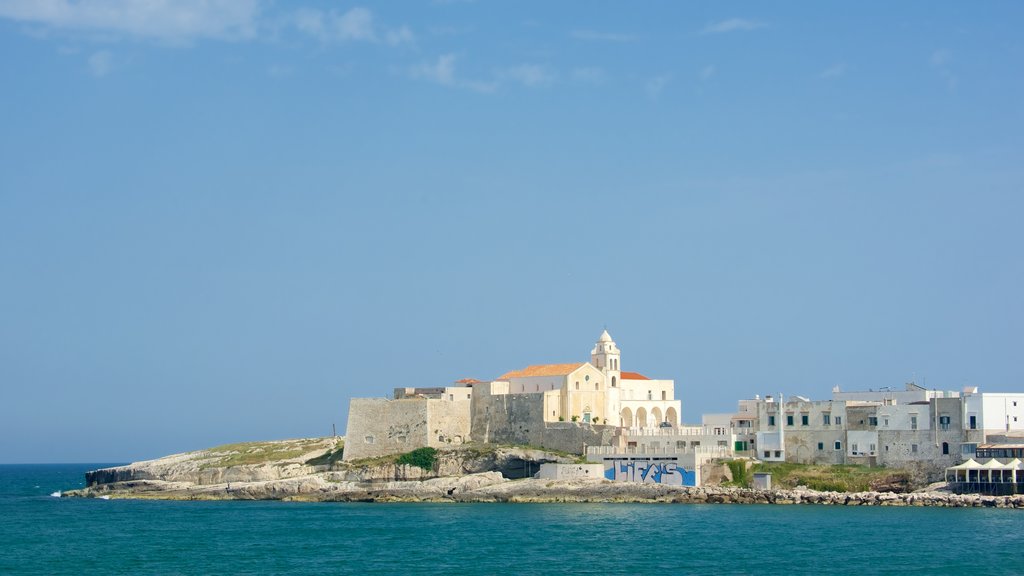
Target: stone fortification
<point x="519" y="419"/>
<point x="379" y="426"/>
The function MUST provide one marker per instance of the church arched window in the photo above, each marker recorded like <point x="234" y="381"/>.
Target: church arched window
<point x="613" y="381"/>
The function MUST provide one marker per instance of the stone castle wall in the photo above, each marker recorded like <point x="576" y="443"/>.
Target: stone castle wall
<point x="379" y="426"/>
<point x="519" y="419"/>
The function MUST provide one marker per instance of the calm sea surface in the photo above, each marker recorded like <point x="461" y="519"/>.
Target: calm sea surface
<point x="40" y="534"/>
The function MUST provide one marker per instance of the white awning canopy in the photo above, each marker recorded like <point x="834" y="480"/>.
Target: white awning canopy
<point x="970" y="464"/>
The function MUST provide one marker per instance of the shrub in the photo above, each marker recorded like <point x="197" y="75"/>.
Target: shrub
<point x="421" y="457"/>
<point x="739" y="472"/>
<point x="575" y="418"/>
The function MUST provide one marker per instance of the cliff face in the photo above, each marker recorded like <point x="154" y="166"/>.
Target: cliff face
<point x="244" y="462"/>
<point x="310" y="461"/>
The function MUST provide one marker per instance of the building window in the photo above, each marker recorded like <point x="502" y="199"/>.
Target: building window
<point x="821" y="445"/>
<point x="767" y="454"/>
<point x="839" y="420"/>
<point x="873" y="420"/>
<point x="804" y="419"/>
<point x="650" y="396"/>
<point x="944" y="422"/>
<point x="789" y="419"/>
<point x="872" y="448"/>
<point x="771" y="420"/>
<point x="663" y="394"/>
<point x="839" y="445"/>
<point x="826" y="419"/>
<point x="968" y="449"/>
<point x="974" y="422"/>
<point x="913" y="448"/>
<point x="680" y="443"/>
<point x="853" y="448"/>
<point x="886" y="423"/>
<point x="913" y="422"/>
<point x="613" y="381"/>
<point x="778" y="453"/>
<point x="368" y="439"/>
<point x="586" y="377"/>
<point x="577" y="385"/>
<point x="945" y="448"/>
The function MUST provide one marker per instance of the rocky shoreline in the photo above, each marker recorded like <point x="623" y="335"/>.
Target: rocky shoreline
<point x="465" y="476"/>
<point x="492" y="487"/>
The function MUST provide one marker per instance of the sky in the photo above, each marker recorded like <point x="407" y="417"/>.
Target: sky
<point x="221" y="219"/>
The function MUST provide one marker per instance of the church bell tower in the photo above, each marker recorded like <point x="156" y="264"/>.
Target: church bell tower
<point x="605" y="357"/>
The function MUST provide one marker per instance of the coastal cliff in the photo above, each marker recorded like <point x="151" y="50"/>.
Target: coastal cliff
<point x="311" y="470"/>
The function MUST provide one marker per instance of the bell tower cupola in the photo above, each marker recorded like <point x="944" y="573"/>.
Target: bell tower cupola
<point x="605" y="357"/>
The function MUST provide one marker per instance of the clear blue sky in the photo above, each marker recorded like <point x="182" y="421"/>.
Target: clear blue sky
<point x="220" y="220"/>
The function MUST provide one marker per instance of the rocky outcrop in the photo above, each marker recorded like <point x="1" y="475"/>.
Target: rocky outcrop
<point x="493" y="487"/>
<point x="246" y="462"/>
<point x="304" y="470"/>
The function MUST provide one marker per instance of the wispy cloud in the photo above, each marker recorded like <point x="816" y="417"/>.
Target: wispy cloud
<point x="589" y="75"/>
<point x="101" y="63"/>
<point x="398" y="36"/>
<point x="594" y="35"/>
<point x="655" y="86"/>
<point x="442" y="71"/>
<point x="940" y="61"/>
<point x="279" y="71"/>
<point x="355" y="25"/>
<point x="177" y="21"/>
<point x="833" y="71"/>
<point x="732" y="25"/>
<point x="708" y="71"/>
<point x="528" y="74"/>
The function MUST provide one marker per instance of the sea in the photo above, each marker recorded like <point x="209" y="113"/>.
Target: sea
<point x="44" y="534"/>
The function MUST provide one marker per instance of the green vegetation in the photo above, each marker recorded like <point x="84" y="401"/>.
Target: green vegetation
<point x="739" y="473"/>
<point x="420" y="457"/>
<point x="330" y="457"/>
<point x="835" y="478"/>
<point x="245" y="453"/>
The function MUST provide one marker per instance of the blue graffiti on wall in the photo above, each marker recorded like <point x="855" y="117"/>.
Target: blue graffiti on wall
<point x="650" y="471"/>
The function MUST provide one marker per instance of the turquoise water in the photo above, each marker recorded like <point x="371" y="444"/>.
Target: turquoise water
<point x="40" y="534"/>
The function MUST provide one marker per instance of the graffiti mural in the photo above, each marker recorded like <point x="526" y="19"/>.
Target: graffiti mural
<point x="649" y="471"/>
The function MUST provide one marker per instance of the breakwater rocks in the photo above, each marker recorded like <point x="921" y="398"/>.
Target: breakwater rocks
<point x="493" y="487"/>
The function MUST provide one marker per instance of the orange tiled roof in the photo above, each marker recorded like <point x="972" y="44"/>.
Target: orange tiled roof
<point x="542" y="370"/>
<point x="634" y="376"/>
<point x="468" y="381"/>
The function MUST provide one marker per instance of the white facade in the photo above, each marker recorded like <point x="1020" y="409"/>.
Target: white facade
<point x="597" y="391"/>
<point x="994" y="411"/>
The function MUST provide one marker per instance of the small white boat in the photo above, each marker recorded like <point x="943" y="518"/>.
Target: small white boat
<point x="104" y="497"/>
<point x="55" y="494"/>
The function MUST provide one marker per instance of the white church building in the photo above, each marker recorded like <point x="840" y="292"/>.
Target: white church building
<point x="597" y="392"/>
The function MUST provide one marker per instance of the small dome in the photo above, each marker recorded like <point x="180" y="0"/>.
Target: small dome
<point x="604" y="337"/>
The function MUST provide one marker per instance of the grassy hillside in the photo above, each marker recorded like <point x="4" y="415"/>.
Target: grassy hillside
<point x="835" y="478"/>
<point x="247" y="453"/>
